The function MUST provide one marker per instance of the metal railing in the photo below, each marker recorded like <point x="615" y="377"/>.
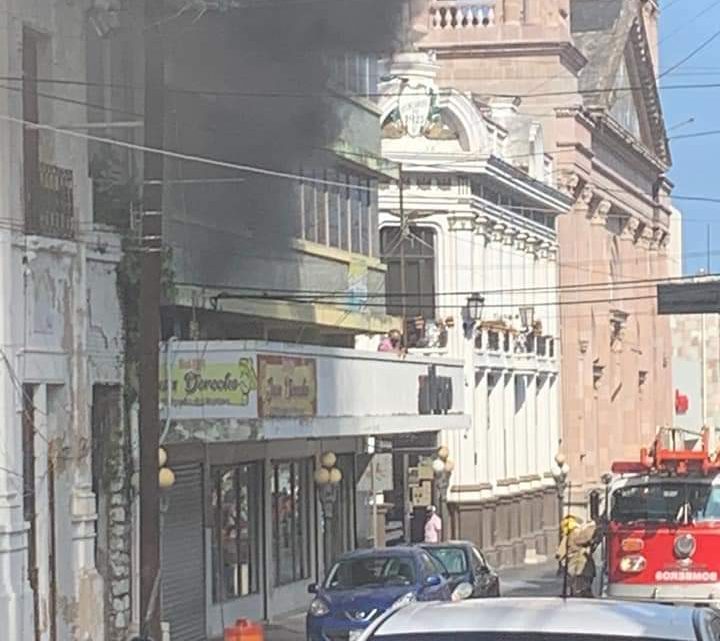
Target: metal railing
<point x="462" y="14"/>
<point x="49" y="205"/>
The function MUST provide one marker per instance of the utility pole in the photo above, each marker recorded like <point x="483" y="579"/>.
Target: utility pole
<point x="150" y="288"/>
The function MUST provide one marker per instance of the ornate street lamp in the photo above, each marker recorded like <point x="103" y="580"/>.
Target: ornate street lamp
<point x="473" y="312"/>
<point x="327" y="480"/>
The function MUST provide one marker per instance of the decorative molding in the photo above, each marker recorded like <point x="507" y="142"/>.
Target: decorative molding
<point x="568" y="183"/>
<point x="601" y="212"/>
<point x="629" y="229"/>
<point x="498" y="232"/>
<point x="586" y="195"/>
<point x="509" y="235"/>
<point x="461" y="223"/>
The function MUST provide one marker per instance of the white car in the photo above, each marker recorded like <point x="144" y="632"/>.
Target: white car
<point x="545" y="619"/>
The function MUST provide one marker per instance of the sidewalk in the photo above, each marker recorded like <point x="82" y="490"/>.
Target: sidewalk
<point x="290" y="628"/>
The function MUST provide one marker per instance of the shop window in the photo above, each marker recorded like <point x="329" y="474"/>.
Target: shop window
<point x="292" y="520"/>
<point x="237" y="510"/>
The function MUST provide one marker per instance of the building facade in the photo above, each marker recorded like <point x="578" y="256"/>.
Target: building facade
<point x="278" y="469"/>
<point x="586" y="71"/>
<point x="480" y="226"/>
<point x="64" y="534"/>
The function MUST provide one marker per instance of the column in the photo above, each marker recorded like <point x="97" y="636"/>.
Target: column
<point x="496" y="429"/>
<point x="86" y="582"/>
<point x="517" y="270"/>
<point x="509" y="424"/>
<point x="16" y="601"/>
<point x="554" y="417"/>
<point x="543" y="432"/>
<point x="532" y="425"/>
<point x="481" y="422"/>
<point x="462" y="238"/>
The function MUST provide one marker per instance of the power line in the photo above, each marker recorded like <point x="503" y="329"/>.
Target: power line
<point x="691" y="55"/>
<point x="177" y="155"/>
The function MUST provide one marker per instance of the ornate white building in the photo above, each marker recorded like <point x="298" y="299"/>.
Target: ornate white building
<point x="480" y="214"/>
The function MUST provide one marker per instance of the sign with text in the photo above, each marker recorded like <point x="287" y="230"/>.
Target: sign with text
<point x="287" y="386"/>
<point x="201" y="386"/>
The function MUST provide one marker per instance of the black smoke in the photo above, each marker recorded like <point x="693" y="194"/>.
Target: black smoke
<point x="250" y="85"/>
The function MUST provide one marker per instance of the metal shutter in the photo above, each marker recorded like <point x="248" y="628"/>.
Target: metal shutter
<point x="183" y="557"/>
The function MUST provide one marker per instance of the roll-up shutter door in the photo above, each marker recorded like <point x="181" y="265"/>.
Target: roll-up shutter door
<point x="183" y="556"/>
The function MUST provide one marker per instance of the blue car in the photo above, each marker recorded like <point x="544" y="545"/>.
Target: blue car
<point x="363" y="584"/>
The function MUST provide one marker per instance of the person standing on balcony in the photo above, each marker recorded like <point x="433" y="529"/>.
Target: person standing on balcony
<point x="392" y="342"/>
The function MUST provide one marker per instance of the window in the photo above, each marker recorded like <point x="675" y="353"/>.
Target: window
<point x="237" y="511"/>
<point x="372" y="571"/>
<point x="340" y="215"/>
<point x="419" y="246"/>
<point x="667" y="502"/>
<point x="452" y="559"/>
<point x="292" y="520"/>
<point x="478" y="559"/>
<point x="355" y="74"/>
<point x="356" y="212"/>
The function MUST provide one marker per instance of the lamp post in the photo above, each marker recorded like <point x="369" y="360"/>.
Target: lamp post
<point x="327" y="479"/>
<point x="443" y="467"/>
<point x="560" y="474"/>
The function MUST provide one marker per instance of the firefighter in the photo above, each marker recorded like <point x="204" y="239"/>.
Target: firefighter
<point x="575" y="554"/>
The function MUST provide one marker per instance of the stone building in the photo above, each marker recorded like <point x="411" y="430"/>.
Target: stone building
<point x="586" y="71"/>
<point x="64" y="527"/>
<point x="480" y="226"/>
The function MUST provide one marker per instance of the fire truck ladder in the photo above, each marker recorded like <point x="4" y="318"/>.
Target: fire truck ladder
<point x="669" y="453"/>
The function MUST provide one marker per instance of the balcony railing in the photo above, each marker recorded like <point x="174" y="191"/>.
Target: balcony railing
<point x="49" y="207"/>
<point x="462" y="14"/>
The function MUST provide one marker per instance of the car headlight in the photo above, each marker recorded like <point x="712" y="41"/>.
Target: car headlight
<point x="404" y="600"/>
<point x="462" y="592"/>
<point x="318" y="608"/>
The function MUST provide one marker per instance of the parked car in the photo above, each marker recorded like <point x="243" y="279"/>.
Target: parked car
<point x="465" y="563"/>
<point x="545" y="619"/>
<point x="364" y="584"/>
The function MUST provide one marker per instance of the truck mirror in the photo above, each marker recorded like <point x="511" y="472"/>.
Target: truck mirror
<point x="595" y="505"/>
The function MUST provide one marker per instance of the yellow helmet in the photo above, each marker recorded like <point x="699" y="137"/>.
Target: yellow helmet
<point x="568" y="524"/>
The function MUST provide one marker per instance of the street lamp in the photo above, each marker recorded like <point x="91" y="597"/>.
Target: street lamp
<point x="473" y="311"/>
<point x="527" y="316"/>
<point x="560" y="474"/>
<point x="443" y="467"/>
<point x="327" y="479"/>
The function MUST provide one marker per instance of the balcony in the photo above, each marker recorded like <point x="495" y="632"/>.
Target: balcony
<point x="49" y="207"/>
<point x="462" y="14"/>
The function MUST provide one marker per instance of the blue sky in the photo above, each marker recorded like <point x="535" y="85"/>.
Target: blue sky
<point x="696" y="170"/>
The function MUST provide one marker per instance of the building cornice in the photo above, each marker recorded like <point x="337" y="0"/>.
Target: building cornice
<point x="569" y="55"/>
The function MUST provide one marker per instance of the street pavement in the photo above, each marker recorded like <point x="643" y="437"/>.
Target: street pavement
<point x="528" y="580"/>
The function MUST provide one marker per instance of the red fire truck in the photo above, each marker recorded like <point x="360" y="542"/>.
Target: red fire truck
<point x="663" y="527"/>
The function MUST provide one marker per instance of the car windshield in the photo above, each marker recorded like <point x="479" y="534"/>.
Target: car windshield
<point x="371" y="571"/>
<point x="453" y="559"/>
<point x="670" y="502"/>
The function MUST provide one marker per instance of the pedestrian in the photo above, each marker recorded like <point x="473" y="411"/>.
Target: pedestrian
<point x="575" y="555"/>
<point x="433" y="525"/>
<point x="392" y="342"/>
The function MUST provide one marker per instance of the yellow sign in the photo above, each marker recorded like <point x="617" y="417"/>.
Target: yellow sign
<point x="287" y="386"/>
<point x="196" y="382"/>
<point x="422" y="494"/>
